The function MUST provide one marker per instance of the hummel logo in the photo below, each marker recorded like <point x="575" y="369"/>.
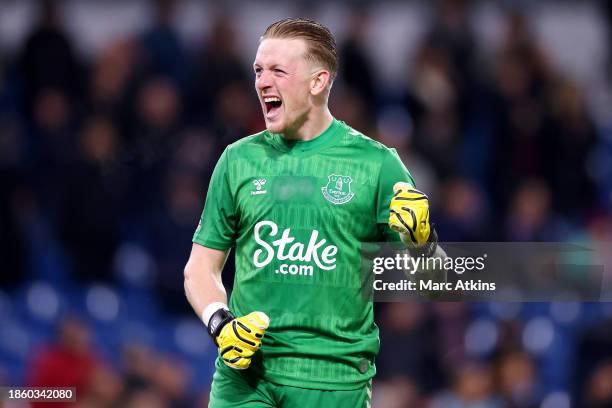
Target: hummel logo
<point x="259" y="183"/>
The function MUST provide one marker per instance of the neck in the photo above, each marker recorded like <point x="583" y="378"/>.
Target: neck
<point x="311" y="126"/>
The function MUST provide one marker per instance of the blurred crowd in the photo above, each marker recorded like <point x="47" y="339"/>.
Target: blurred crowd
<point x="142" y="378"/>
<point x="104" y="166"/>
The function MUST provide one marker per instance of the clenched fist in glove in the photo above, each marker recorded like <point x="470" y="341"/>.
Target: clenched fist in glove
<point x="237" y="338"/>
<point x="409" y="215"/>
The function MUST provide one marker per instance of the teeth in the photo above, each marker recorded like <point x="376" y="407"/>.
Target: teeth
<point x="271" y="99"/>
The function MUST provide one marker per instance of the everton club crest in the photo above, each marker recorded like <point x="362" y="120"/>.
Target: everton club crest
<point x="338" y="189"/>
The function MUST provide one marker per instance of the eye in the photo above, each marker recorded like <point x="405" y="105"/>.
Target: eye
<point x="257" y="71"/>
<point x="279" y="71"/>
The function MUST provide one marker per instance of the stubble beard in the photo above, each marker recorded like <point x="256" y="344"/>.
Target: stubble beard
<point x="291" y="130"/>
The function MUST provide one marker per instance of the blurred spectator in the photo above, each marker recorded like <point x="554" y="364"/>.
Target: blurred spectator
<point x="510" y="336"/>
<point x="569" y="143"/>
<point x="171" y="379"/>
<point x="159" y="105"/>
<point x="196" y="152"/>
<point x="217" y="65"/>
<point x="349" y="106"/>
<point x="48" y="59"/>
<point x="433" y="102"/>
<point x="442" y="90"/>
<point x="451" y="319"/>
<point x="104" y="390"/>
<point x="150" y="376"/>
<point x="463" y="214"/>
<point x="153" y="137"/>
<point x="172" y="226"/>
<point x="236" y="113"/>
<point x="598" y="388"/>
<point x="530" y="217"/>
<point x="68" y="362"/>
<point x="149" y="398"/>
<point x="396" y="392"/>
<point x="163" y="50"/>
<point x="137" y="365"/>
<point x="407" y="326"/>
<point x="517" y="380"/>
<point x="452" y="34"/>
<point x="522" y="78"/>
<point x="111" y="81"/>
<point x="95" y="187"/>
<point x="356" y="70"/>
<point x="472" y="388"/>
<point x="52" y="149"/>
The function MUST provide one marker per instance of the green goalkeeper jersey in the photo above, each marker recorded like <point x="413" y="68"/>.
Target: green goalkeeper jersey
<point x="298" y="214"/>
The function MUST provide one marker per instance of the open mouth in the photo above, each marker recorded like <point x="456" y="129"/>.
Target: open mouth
<point x="273" y="104"/>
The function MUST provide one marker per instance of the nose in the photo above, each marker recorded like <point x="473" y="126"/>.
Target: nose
<point x="263" y="81"/>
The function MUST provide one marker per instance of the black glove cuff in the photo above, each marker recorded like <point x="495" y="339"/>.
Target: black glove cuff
<point x="428" y="248"/>
<point x="218" y="319"/>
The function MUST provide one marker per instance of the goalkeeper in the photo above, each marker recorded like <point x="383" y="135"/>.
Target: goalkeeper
<point x="297" y="201"/>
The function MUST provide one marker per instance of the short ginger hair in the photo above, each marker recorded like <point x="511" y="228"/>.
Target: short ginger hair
<point x="319" y="40"/>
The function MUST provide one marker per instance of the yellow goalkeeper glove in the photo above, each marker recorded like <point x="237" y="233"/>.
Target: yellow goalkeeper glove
<point x="237" y="338"/>
<point x="409" y="215"/>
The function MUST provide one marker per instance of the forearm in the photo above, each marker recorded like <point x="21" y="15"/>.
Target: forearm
<point x="204" y="289"/>
<point x="203" y="284"/>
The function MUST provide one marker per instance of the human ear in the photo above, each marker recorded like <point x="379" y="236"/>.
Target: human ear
<point x="319" y="82"/>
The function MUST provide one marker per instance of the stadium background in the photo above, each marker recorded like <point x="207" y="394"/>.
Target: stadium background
<point x="112" y="115"/>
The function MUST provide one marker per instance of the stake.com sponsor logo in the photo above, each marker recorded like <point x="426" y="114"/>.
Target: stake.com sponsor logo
<point x="284" y="248"/>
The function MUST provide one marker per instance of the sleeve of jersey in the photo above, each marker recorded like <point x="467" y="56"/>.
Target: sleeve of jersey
<point x="217" y="227"/>
<point x="392" y="170"/>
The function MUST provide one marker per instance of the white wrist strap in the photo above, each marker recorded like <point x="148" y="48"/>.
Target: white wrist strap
<point x="211" y="309"/>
